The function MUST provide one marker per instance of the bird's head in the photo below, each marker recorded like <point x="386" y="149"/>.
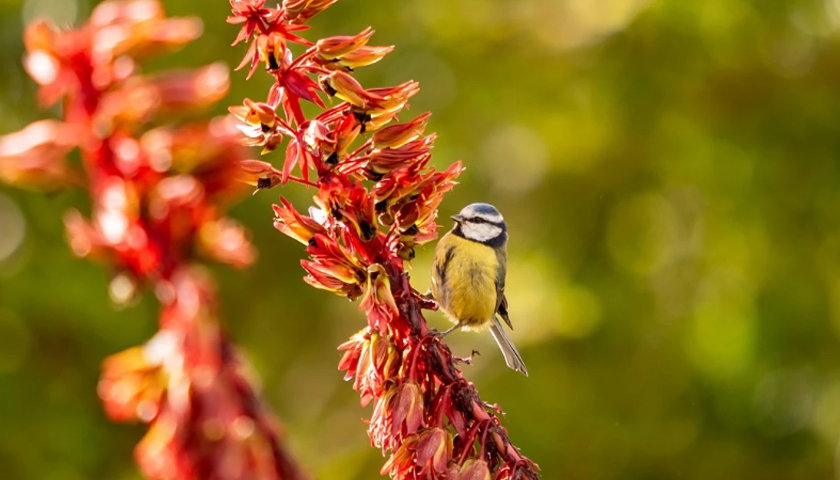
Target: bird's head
<point x="480" y="222"/>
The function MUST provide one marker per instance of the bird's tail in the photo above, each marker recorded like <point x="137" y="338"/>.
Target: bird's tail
<point x="512" y="357"/>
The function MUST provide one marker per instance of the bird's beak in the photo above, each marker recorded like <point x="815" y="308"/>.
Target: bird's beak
<point x="457" y="218"/>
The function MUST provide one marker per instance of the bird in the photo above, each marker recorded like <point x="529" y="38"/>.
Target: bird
<point x="468" y="276"/>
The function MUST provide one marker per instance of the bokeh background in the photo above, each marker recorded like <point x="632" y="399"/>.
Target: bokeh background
<point x="669" y="173"/>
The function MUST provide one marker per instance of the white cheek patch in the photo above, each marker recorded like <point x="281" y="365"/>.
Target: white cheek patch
<point x="481" y="232"/>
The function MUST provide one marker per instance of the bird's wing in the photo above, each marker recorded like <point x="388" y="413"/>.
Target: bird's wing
<point x="443" y="255"/>
<point x="501" y="300"/>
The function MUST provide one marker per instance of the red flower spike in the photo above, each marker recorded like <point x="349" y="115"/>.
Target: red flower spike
<point x="159" y="197"/>
<point x="377" y="201"/>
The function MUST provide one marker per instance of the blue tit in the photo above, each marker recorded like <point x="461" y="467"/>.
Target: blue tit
<point x="468" y="281"/>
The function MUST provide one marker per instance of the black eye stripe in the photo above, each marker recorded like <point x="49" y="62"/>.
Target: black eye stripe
<point x="483" y="220"/>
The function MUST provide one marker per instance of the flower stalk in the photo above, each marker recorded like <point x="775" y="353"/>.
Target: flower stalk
<point x="376" y="198"/>
<point x="159" y="197"/>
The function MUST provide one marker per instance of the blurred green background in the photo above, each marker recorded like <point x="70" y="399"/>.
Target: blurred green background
<point x="668" y="170"/>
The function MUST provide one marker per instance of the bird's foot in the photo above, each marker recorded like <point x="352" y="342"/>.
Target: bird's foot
<point x="448" y="331"/>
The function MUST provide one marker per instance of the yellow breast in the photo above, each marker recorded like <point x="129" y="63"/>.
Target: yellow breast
<point x="464" y="280"/>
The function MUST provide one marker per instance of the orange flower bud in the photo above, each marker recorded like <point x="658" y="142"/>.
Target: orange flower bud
<point x="334" y="47"/>
<point x="259" y="174"/>
<point x="302" y="10"/>
<point x="34" y="156"/>
<point x="473" y="469"/>
<point x="397" y="135"/>
<point x="133" y="381"/>
<point x="408" y="410"/>
<point x="394" y="99"/>
<point x="272" y="50"/>
<point x="40" y="35"/>
<point x="364" y="56"/>
<point x="141" y="97"/>
<point x="345" y="87"/>
<point x="225" y="241"/>
<point x="378" y="301"/>
<point x="434" y="450"/>
<point x="255" y="113"/>
<point x="293" y="224"/>
<point x="333" y="267"/>
<point x="402" y="459"/>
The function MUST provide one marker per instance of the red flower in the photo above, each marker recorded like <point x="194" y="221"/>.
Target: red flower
<point x="295" y="225"/>
<point x="253" y="16"/>
<point x="34" y="156"/>
<point x="259" y="124"/>
<point x="159" y="197"/>
<point x="333" y="267"/>
<point x="374" y="203"/>
<point x="133" y="382"/>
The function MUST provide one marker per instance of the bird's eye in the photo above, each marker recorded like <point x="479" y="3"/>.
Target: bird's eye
<point x="478" y="220"/>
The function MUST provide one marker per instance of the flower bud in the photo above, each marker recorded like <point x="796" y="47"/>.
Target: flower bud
<point x="434" y="450"/>
<point x="333" y="47"/>
<point x="473" y="469"/>
<point x="397" y="135"/>
<point x="364" y="56"/>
